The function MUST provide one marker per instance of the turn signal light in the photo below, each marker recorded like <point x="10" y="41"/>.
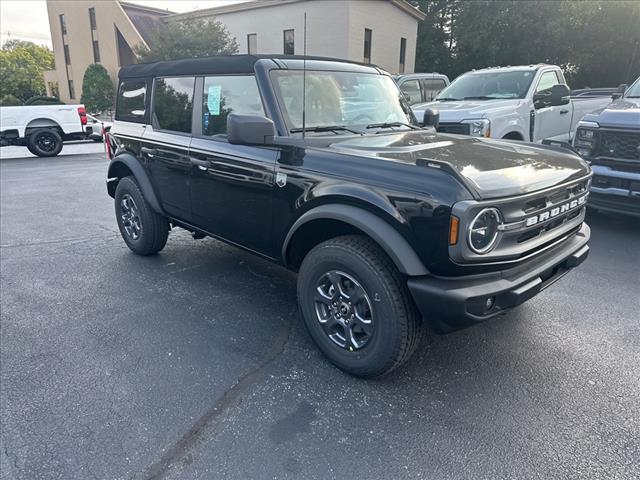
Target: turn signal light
<point x="453" y="230"/>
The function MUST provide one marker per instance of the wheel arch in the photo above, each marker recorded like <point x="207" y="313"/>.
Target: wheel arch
<point x="513" y="135"/>
<point x="329" y="220"/>
<point x="42" y="122"/>
<point x="125" y="165"/>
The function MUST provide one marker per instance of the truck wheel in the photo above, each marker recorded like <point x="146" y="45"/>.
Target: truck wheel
<point x="45" y="142"/>
<point x="357" y="307"/>
<point x="144" y="231"/>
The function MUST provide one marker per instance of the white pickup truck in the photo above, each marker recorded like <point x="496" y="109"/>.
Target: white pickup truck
<point x="531" y="103"/>
<point x="42" y="128"/>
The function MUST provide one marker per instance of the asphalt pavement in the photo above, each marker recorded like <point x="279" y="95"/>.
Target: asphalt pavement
<point x="193" y="364"/>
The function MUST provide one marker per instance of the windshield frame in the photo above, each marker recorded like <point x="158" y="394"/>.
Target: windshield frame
<point x="348" y="127"/>
<point x="534" y="75"/>
<point x="634" y="85"/>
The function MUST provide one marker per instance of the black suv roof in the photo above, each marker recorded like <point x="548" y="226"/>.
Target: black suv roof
<point x="222" y="64"/>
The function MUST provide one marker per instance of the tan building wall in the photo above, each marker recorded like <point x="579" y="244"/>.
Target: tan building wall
<point x="335" y="28"/>
<point x="79" y="39"/>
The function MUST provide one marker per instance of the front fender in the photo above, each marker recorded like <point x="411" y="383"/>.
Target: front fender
<point x="391" y="241"/>
<point x="126" y="164"/>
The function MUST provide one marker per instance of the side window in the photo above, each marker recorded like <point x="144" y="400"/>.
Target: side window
<point x="432" y="87"/>
<point x="411" y="88"/>
<point x="130" y="105"/>
<point x="547" y="80"/>
<point x="173" y="103"/>
<point x="225" y="94"/>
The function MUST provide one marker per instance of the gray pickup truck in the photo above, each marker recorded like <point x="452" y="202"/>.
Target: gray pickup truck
<point x="609" y="139"/>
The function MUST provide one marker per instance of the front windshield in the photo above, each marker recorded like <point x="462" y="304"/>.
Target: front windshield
<point x="634" y="90"/>
<point x="346" y="99"/>
<point x="488" y="85"/>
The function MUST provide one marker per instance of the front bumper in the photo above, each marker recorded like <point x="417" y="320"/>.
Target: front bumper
<point x="453" y="303"/>
<point x="615" y="190"/>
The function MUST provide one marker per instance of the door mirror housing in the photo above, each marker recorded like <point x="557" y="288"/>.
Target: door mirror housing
<point x="560" y="95"/>
<point x="431" y="118"/>
<point x="250" y="130"/>
<point x="619" y="91"/>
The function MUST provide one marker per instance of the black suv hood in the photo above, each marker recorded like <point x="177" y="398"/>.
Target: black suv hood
<point x="622" y="113"/>
<point x="490" y="168"/>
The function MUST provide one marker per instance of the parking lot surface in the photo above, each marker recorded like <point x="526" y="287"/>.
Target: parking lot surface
<point x="193" y="364"/>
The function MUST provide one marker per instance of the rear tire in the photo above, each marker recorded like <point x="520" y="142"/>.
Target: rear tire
<point x="356" y="306"/>
<point x="144" y="231"/>
<point x="45" y="142"/>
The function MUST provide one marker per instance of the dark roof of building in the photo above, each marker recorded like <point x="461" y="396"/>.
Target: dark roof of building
<point x="224" y="64"/>
<point x="146" y="20"/>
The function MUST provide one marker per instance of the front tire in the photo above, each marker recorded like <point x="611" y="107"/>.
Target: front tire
<point x="357" y="307"/>
<point x="45" y="142"/>
<point x="143" y="230"/>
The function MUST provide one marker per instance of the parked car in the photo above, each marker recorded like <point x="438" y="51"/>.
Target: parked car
<point x="96" y="128"/>
<point x="386" y="223"/>
<point x="530" y="102"/>
<point x="421" y="87"/>
<point x="42" y="128"/>
<point x="610" y="140"/>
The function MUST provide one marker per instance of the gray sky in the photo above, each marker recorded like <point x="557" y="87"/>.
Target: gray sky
<point x="27" y="19"/>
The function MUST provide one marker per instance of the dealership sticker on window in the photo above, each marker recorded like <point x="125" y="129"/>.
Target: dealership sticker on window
<point x="213" y="99"/>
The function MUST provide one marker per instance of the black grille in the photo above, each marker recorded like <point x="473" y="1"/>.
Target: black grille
<point x="619" y="145"/>
<point x="457" y="128"/>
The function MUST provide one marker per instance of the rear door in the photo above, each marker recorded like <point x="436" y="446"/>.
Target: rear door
<point x="165" y="143"/>
<point x="553" y="122"/>
<point x="232" y="185"/>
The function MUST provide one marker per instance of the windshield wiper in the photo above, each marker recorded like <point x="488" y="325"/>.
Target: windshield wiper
<point x="448" y="99"/>
<point x="479" y="97"/>
<point x="392" y="124"/>
<point x="326" y="128"/>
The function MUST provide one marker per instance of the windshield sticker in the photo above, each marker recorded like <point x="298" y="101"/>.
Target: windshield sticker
<point x="213" y="99"/>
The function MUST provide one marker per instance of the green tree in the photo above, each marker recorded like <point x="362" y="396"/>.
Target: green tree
<point x="9" y="101"/>
<point x="596" y="42"/>
<point x="188" y="39"/>
<point x="97" y="89"/>
<point x="22" y="65"/>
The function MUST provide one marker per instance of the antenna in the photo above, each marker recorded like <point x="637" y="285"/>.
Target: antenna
<point x="304" y="75"/>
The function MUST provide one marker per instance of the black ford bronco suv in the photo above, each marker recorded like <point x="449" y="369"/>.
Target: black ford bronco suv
<point x="319" y="165"/>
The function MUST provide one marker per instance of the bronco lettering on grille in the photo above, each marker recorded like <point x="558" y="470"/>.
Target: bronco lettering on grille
<point x="555" y="211"/>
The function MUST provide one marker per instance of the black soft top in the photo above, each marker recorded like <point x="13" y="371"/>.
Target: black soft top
<point x="219" y="65"/>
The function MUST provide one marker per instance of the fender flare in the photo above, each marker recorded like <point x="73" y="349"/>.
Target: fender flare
<point x="140" y="175"/>
<point x="391" y="241"/>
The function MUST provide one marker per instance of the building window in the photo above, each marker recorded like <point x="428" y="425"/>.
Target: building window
<point x="403" y="54"/>
<point x="173" y="103"/>
<point x="96" y="52"/>
<point x="67" y="56"/>
<point x="252" y="43"/>
<point x="367" y="45"/>
<point x="63" y="25"/>
<point x="289" y="42"/>
<point x="72" y="92"/>
<point x="92" y="18"/>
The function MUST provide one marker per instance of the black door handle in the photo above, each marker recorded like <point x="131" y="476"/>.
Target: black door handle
<point x="201" y="164"/>
<point x="149" y="152"/>
<point x="563" y="112"/>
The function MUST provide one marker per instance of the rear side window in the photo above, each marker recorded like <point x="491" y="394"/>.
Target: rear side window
<point x="432" y="87"/>
<point x="225" y="94"/>
<point x="411" y="88"/>
<point x="130" y="105"/>
<point x="173" y="103"/>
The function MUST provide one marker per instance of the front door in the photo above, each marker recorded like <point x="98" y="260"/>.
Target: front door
<point x="165" y="144"/>
<point x="551" y="122"/>
<point x="231" y="185"/>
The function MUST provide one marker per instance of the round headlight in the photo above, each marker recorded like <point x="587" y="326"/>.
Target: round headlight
<point x="483" y="231"/>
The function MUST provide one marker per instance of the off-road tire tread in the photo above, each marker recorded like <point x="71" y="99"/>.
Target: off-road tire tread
<point x="408" y="318"/>
<point x="156" y="226"/>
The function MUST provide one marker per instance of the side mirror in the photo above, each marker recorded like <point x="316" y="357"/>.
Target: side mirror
<point x="250" y="130"/>
<point x="560" y="95"/>
<point x="619" y="91"/>
<point x="431" y="118"/>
